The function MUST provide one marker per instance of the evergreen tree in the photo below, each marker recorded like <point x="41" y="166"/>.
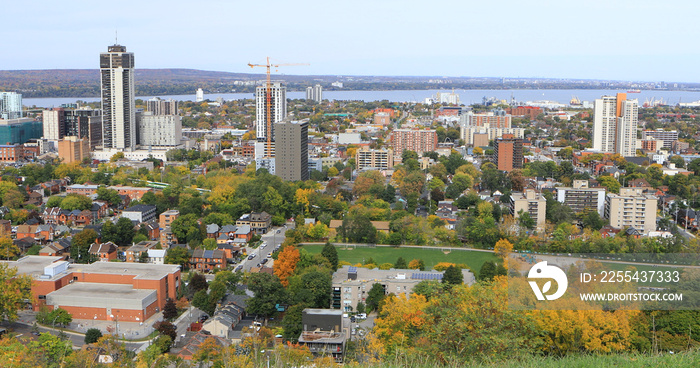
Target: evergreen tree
<point x="375" y="296"/>
<point x="331" y="254"/>
<point x="488" y="271"/>
<point x="92" y="335"/>
<point x="400" y="264"/>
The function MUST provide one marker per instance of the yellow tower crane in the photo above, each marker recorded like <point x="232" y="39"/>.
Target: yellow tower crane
<point x="268" y="97"/>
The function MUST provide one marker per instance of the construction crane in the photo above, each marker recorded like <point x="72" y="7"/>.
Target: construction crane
<point x="268" y="97"/>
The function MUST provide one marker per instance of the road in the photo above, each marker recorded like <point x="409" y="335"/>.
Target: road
<point x="273" y="238"/>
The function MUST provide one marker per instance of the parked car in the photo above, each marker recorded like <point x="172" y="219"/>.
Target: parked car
<point x="264" y="261"/>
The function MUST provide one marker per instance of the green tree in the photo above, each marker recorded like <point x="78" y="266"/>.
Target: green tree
<point x="452" y="276"/>
<point x="110" y="196"/>
<point x="59" y="316"/>
<point x="361" y="308"/>
<point x="187" y="229"/>
<point x="92" y="335"/>
<point x="400" y="264"/>
<point x="80" y="246"/>
<point x="198" y="282"/>
<point x="487" y="271"/>
<point x="76" y="202"/>
<point x="179" y="256"/>
<point x="428" y="288"/>
<point x="312" y="287"/>
<point x="331" y="254"/>
<point x="268" y="292"/>
<point x="375" y="296"/>
<point x="291" y="323"/>
<point x="54" y="201"/>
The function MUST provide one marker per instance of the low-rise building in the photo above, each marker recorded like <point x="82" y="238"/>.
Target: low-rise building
<point x="140" y="213"/>
<point x="351" y="285"/>
<point x="135" y="252"/>
<point x="204" y="260"/>
<point x="104" y="291"/>
<point x="324" y="332"/>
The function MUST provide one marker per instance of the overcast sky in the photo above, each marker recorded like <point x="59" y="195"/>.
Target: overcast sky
<point x="588" y="39"/>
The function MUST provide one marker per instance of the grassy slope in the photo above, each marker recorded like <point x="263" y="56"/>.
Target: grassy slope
<point x="389" y="255"/>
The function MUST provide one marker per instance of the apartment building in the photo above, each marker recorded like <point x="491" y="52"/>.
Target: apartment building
<point x="367" y="158"/>
<point x="531" y="202"/>
<point x="581" y="198"/>
<point x="631" y="208"/>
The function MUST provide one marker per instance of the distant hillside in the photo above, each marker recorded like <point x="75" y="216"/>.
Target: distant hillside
<point x="153" y="82"/>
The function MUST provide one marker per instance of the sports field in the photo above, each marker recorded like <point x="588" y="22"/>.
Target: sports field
<point x="430" y="256"/>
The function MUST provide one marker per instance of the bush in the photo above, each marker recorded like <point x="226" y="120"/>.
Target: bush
<point x="92" y="335"/>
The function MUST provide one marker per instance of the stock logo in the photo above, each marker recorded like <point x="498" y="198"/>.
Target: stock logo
<point x="543" y="271"/>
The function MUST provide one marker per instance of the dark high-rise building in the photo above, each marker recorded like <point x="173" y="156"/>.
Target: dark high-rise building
<point x="292" y="150"/>
<point x="117" y="90"/>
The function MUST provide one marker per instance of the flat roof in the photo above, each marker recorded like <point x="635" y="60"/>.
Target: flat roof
<point x="144" y="271"/>
<point x="98" y="295"/>
<point x="32" y="265"/>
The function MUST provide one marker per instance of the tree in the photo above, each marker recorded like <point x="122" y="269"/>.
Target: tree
<point x="198" y="282"/>
<point x="179" y="256"/>
<point x="80" y="246"/>
<point x="166" y="328"/>
<point x="487" y="271"/>
<point x="592" y="220"/>
<point x="417" y="264"/>
<point x="60" y="316"/>
<point x="121" y="233"/>
<point x="375" y="296"/>
<point x="204" y="301"/>
<point x="526" y="220"/>
<point x="268" y="292"/>
<point x="92" y="335"/>
<point x="291" y="323"/>
<point x="286" y="263"/>
<point x="110" y="196"/>
<point x="400" y="264"/>
<point x="8" y="250"/>
<point x="76" y="202"/>
<point x="169" y="310"/>
<point x="331" y="255"/>
<point x="428" y="288"/>
<point x="14" y="290"/>
<point x="452" y="276"/>
<point x="610" y="183"/>
<point x="187" y="229"/>
<point x="311" y="287"/>
<point x="503" y="248"/>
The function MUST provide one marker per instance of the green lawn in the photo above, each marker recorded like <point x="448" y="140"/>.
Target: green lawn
<point x="389" y="255"/>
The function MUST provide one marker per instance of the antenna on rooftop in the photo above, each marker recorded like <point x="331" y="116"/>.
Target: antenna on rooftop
<point x="116" y="42"/>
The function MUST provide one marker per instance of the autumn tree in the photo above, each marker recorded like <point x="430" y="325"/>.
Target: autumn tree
<point x="14" y="290"/>
<point x="416" y="264"/>
<point x="166" y="328"/>
<point x="286" y="263"/>
<point x="8" y="250"/>
<point x="170" y="309"/>
<point x="503" y="248"/>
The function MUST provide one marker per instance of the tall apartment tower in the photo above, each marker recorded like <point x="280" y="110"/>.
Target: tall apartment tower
<point x="117" y="90"/>
<point x="314" y="93"/>
<point x="158" y="107"/>
<point x="418" y="141"/>
<point x="615" y="122"/>
<point x="278" y="109"/>
<point x="199" y="95"/>
<point x="508" y="153"/>
<point x="292" y="150"/>
<point x="10" y="105"/>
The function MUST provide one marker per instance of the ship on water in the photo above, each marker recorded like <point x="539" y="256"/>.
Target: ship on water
<point x="575" y="101"/>
<point x="634" y="91"/>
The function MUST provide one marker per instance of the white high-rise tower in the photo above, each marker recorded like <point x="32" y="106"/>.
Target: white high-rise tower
<point x="117" y="90"/>
<point x="615" y="122"/>
<point x="278" y="109"/>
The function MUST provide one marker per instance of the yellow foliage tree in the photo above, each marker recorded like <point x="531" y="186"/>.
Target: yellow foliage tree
<point x="301" y="197"/>
<point x="401" y="320"/>
<point x="442" y="266"/>
<point x="503" y="248"/>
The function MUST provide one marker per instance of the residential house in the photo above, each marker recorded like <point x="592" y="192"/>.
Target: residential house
<point x="57" y="248"/>
<point x="152" y="229"/>
<point x="192" y="340"/>
<point x="207" y="260"/>
<point x="156" y="256"/>
<point x="5" y="228"/>
<point x="133" y="253"/>
<point x="223" y="322"/>
<point x="259" y="222"/>
<point x="212" y="231"/>
<point x="105" y="252"/>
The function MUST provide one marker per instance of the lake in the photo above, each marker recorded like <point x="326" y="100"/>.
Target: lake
<point x="467" y="97"/>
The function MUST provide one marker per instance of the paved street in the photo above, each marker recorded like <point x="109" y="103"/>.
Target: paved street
<point x="273" y="238"/>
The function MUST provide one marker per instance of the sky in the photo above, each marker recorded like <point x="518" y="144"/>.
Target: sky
<point x="638" y="40"/>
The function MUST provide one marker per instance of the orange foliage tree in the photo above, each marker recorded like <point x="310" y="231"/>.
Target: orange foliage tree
<point x="286" y="263"/>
